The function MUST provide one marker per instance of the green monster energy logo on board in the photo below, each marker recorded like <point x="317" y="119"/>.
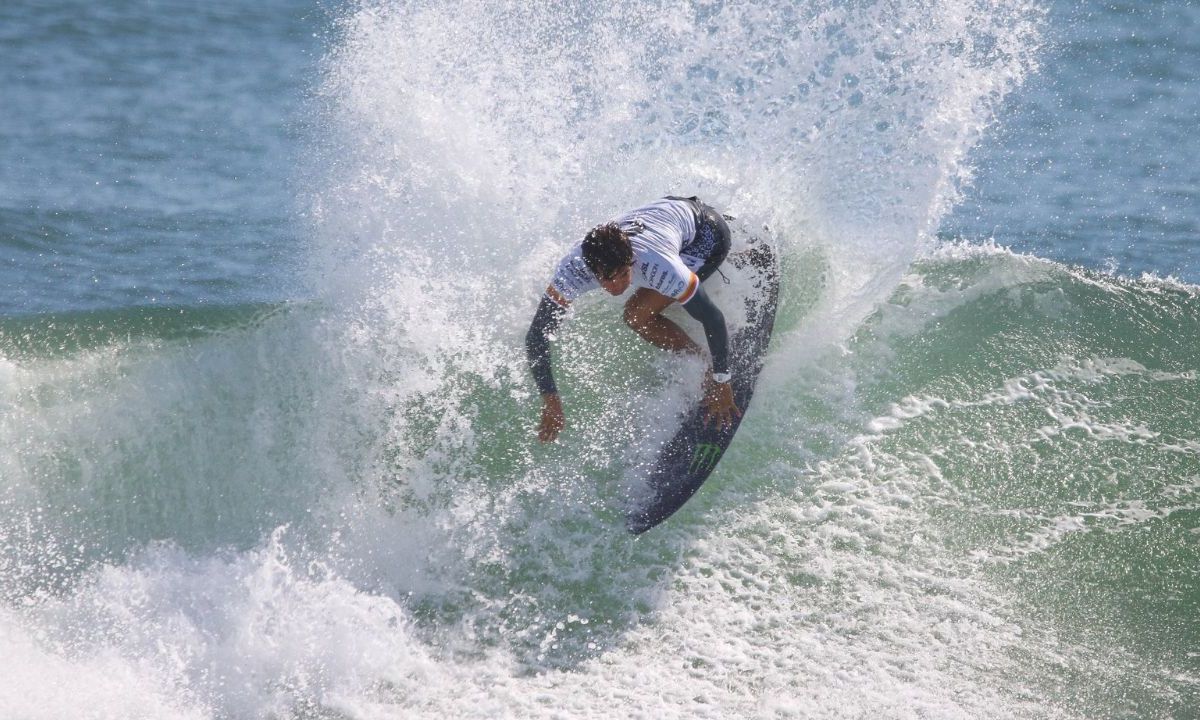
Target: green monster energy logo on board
<point x="705" y="457"/>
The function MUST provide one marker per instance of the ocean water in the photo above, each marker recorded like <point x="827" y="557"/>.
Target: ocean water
<point x="266" y="443"/>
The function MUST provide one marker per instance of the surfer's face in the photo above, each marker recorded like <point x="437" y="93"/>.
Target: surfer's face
<point x="618" y="282"/>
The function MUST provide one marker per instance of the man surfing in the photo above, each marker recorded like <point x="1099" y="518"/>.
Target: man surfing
<point x="666" y="249"/>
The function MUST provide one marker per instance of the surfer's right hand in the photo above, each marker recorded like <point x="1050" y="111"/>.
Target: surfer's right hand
<point x="553" y="419"/>
<point x="719" y="405"/>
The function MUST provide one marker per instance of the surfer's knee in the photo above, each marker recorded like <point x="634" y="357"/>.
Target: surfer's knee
<point x="639" y="312"/>
<point x="635" y="314"/>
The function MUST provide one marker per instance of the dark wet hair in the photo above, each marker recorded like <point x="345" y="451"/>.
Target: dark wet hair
<point x="606" y="250"/>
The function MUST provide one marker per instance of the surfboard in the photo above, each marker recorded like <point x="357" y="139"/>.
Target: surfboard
<point x="688" y="458"/>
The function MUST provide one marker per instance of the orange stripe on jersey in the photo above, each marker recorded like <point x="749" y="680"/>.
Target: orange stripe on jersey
<point x="690" y="290"/>
<point x="556" y="296"/>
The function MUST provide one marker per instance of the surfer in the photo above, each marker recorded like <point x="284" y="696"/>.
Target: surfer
<point x="667" y="249"/>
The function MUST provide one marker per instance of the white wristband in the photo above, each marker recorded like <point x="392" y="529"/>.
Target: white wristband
<point x="722" y="378"/>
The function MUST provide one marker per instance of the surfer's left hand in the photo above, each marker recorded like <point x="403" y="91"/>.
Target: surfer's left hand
<point x="553" y="419"/>
<point x="719" y="404"/>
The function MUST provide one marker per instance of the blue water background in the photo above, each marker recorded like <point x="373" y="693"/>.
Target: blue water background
<point x="147" y="150"/>
<point x="1093" y="162"/>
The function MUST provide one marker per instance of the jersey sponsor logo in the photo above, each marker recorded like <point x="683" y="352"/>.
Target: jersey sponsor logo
<point x="580" y="271"/>
<point x="705" y="457"/>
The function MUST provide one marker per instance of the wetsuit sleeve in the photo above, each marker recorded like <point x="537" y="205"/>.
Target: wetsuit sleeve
<point x="701" y="307"/>
<point x="546" y="322"/>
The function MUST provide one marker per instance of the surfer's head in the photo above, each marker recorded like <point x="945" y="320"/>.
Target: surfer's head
<point x="609" y="256"/>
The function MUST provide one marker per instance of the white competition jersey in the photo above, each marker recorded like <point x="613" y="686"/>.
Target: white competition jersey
<point x="657" y="232"/>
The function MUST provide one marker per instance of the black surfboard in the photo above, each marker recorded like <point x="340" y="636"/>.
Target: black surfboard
<point x="688" y="458"/>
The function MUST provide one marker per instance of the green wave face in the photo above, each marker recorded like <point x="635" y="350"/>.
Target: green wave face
<point x="993" y="484"/>
<point x="1048" y="417"/>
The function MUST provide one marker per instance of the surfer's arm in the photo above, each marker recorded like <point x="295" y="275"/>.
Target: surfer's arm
<point x="701" y="307"/>
<point x="546" y="321"/>
<point x="718" y="396"/>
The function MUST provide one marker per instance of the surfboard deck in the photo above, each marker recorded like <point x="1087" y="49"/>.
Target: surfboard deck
<point x="688" y="458"/>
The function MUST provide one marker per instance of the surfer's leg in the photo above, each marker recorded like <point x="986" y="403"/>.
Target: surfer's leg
<point x="643" y="313"/>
